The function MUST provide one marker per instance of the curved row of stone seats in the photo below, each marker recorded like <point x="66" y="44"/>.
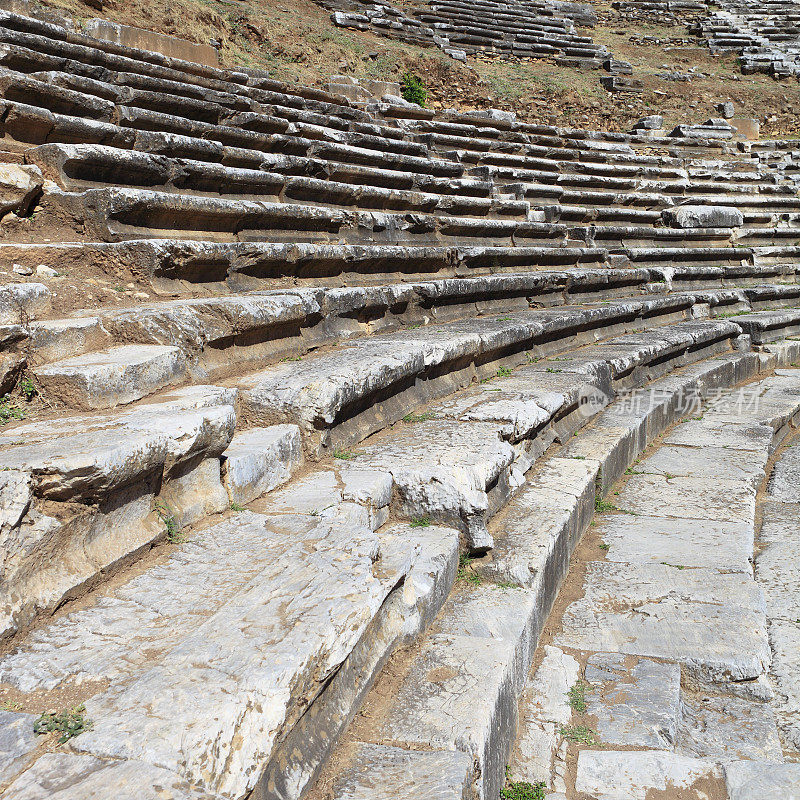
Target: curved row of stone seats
<point x="112" y="357"/>
<point x="157" y="642"/>
<point x="140" y="467"/>
<point x="510" y="28"/>
<point x="766" y="35"/>
<point x="523" y="29"/>
<point x="480" y="647"/>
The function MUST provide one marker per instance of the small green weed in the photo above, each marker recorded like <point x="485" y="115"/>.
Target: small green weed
<point x="580" y="734"/>
<point x="603" y="506"/>
<point x="604" y="546"/>
<point x="236" y="507"/>
<point x="345" y="455"/>
<point x="577" y="697"/>
<point x="504" y="372"/>
<point x="420" y="522"/>
<point x="465" y="571"/>
<point x="419" y="417"/>
<point x="10" y="705"/>
<point x="171" y="528"/>
<point x="413" y="90"/>
<point x="522" y="790"/>
<point x="550" y="369"/>
<point x="28" y="389"/>
<point x="9" y="410"/>
<point x="69" y="723"/>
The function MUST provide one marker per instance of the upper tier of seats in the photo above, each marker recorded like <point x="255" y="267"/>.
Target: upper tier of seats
<point x="522" y="28"/>
<point x="766" y="34"/>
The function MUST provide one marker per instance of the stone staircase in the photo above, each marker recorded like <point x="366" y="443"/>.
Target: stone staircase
<point x="292" y="523"/>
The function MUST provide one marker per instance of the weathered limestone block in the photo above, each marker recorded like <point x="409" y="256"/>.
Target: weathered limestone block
<point x="637" y="706"/>
<point x="67" y="776"/>
<point x="637" y="775"/>
<point x="20" y="188"/>
<point x="746" y="780"/>
<point x="88" y="456"/>
<point x="702" y="217"/>
<point x="544" y="710"/>
<point x="21" y="302"/>
<point x="259" y="460"/>
<point x="384" y="773"/>
<point x="115" y="377"/>
<point x="17" y="742"/>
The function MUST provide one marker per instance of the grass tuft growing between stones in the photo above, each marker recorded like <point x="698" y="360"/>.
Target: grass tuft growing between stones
<point x="68" y="723"/>
<point x="9" y="410"/>
<point x="171" y="528"/>
<point x="466" y="574"/>
<point x="522" y="790"/>
<point x="420" y="522"/>
<point x="581" y="735"/>
<point x="577" y="697"/>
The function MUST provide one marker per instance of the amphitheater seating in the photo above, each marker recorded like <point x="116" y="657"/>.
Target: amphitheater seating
<point x="530" y="29"/>
<point x="765" y="34"/>
<point x="385" y="356"/>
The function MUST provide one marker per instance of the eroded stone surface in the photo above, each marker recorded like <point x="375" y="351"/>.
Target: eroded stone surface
<point x="609" y="775"/>
<point x="636" y="706"/>
<point x="66" y="776"/>
<point x="391" y="772"/>
<point x="544" y="710"/>
<point x="746" y="780"/>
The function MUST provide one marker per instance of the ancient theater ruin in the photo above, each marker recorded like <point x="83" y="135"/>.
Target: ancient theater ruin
<point x="373" y="437"/>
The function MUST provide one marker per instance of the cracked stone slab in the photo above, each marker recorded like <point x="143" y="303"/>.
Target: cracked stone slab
<point x="716" y="499"/>
<point x="66" y="776"/>
<point x="377" y="772"/>
<point x="724" y="546"/>
<point x="359" y="495"/>
<point x="680" y="615"/>
<point x="778" y="574"/>
<point x="610" y="775"/>
<point x="259" y="460"/>
<point x="223" y="647"/>
<point x="543" y="710"/>
<point x="461" y="692"/>
<point x="113" y="377"/>
<point x="80" y="456"/>
<point x="747" y="780"/>
<point x="636" y="706"/>
<point x="721" y="433"/>
<point x="784" y="637"/>
<point x="721" y="728"/>
<point x="710" y="462"/>
<point x="536" y="532"/>
<point x="446" y="470"/>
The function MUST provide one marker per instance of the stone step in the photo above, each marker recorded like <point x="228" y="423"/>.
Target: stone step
<point x="420" y="365"/>
<point x="287" y="611"/>
<point x="459" y="691"/>
<point x="118" y="213"/>
<point x="114" y="377"/>
<point x="693" y="592"/>
<point x="87" y="493"/>
<point x="77" y="167"/>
